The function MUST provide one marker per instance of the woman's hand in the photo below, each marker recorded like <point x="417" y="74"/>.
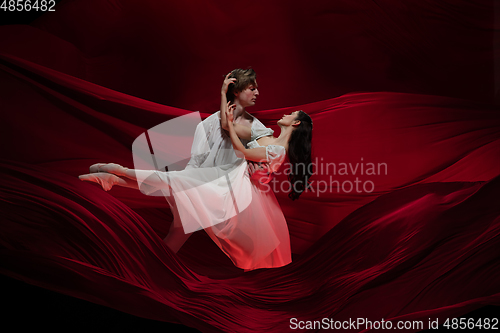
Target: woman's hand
<point x="229" y="112"/>
<point x="254" y="167"/>
<point x="227" y="82"/>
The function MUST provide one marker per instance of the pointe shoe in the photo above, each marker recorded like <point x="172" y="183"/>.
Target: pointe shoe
<point x="113" y="168"/>
<point x="106" y="180"/>
<point x="95" y="167"/>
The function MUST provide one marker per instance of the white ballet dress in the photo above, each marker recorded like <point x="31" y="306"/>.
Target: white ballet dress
<point x="215" y="192"/>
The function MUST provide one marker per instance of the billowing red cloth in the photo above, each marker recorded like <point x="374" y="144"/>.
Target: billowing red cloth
<point x="382" y="84"/>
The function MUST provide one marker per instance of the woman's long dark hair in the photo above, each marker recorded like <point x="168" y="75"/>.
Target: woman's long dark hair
<point x="299" y="155"/>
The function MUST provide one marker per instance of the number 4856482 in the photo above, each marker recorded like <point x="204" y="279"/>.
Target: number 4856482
<point x="28" y="5"/>
<point x="463" y="323"/>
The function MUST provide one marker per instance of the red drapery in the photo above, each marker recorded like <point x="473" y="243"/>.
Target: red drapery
<point x="384" y="82"/>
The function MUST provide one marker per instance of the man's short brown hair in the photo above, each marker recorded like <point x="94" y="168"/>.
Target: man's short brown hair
<point x="244" y="78"/>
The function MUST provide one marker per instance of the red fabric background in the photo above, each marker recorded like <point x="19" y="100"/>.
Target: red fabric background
<point x="410" y="85"/>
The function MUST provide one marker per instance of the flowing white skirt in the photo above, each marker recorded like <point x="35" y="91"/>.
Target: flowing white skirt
<point x="241" y="215"/>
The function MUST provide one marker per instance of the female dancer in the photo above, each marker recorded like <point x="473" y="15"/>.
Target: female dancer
<point x="242" y="216"/>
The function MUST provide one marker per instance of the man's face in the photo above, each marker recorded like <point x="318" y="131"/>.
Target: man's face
<point x="248" y="96"/>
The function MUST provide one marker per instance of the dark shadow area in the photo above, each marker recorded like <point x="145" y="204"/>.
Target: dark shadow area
<point x="27" y="307"/>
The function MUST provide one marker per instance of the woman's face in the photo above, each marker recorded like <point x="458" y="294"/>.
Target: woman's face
<point x="248" y="96"/>
<point x="288" y="119"/>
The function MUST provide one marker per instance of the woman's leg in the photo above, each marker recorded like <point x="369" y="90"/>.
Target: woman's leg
<point x="95" y="167"/>
<point x="148" y="177"/>
<point x="108" y="180"/>
<point x="107" y="177"/>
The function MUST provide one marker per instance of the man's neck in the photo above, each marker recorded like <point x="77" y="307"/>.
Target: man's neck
<point x="239" y="111"/>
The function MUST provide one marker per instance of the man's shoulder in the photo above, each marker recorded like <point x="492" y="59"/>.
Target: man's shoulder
<point x="214" y="115"/>
<point x="212" y="119"/>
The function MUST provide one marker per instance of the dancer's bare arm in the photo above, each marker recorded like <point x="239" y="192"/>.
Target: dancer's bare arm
<point x="242" y="131"/>
<point x="223" y="100"/>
